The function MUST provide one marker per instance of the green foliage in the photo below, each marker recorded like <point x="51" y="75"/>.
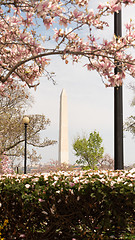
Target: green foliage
<point x="89" y="150"/>
<point x="71" y="205"/>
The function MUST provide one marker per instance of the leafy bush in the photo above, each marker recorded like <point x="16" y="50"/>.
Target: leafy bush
<point x="68" y="205"/>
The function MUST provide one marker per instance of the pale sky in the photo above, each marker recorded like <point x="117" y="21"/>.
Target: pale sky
<point x="90" y="106"/>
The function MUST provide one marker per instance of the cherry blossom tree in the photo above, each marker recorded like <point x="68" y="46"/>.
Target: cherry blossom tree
<point x="13" y="107"/>
<point x="130" y="122"/>
<point x="70" y="27"/>
<point x="5" y="165"/>
<point x="106" y="163"/>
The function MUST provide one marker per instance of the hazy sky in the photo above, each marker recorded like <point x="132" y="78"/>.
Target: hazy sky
<point x="90" y="105"/>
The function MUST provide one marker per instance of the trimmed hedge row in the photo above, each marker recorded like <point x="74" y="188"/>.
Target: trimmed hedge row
<point x="68" y="206"/>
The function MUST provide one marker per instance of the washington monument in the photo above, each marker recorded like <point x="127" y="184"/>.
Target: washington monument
<point x="63" y="130"/>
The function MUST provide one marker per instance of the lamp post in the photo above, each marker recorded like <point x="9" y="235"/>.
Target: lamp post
<point x="118" y="106"/>
<point x="26" y="122"/>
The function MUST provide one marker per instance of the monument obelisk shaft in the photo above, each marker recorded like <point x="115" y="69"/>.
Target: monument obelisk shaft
<point x="63" y="130"/>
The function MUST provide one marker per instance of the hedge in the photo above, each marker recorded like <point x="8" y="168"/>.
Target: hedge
<point x="68" y="206"/>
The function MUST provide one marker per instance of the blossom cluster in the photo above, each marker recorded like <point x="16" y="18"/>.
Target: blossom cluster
<point x="114" y="5"/>
<point x="24" y="56"/>
<point x="6" y="164"/>
<point x="70" y="178"/>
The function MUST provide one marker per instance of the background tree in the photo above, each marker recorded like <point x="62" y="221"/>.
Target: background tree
<point x="107" y="163"/>
<point x="130" y="123"/>
<point x="90" y="150"/>
<point x="25" y="52"/>
<point x="53" y="166"/>
<point x="34" y="158"/>
<point x="12" y="110"/>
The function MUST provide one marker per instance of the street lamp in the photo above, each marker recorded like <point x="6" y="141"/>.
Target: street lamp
<point x="118" y="106"/>
<point x="26" y="122"/>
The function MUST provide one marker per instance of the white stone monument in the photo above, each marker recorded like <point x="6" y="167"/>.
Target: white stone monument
<point x="63" y="130"/>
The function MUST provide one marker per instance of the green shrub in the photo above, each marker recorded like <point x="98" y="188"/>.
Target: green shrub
<point x="68" y="205"/>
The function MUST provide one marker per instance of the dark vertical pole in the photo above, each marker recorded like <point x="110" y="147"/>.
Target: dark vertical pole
<point x="118" y="107"/>
<point x="25" y="149"/>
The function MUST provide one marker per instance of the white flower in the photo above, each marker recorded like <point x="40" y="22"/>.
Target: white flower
<point x="55" y="178"/>
<point x="35" y="179"/>
<point x="52" y="209"/>
<point x="44" y="212"/>
<point x="27" y="185"/>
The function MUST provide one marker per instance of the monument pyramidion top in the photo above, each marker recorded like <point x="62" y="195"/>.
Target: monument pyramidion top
<point x="63" y="91"/>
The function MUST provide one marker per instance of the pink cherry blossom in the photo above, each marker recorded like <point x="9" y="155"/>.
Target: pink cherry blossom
<point x="25" y="55"/>
<point x="6" y="164"/>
